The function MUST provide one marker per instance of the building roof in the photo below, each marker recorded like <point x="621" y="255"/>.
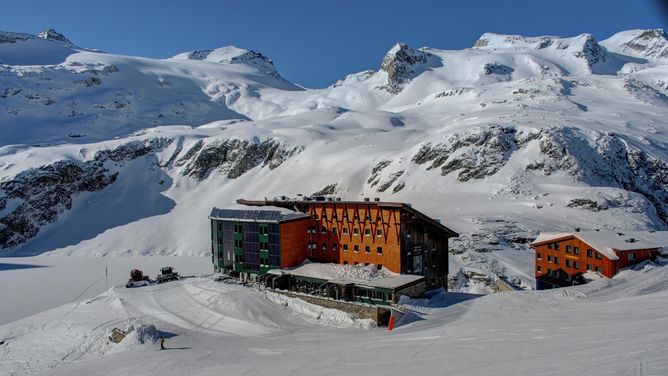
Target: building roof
<point x="359" y="275"/>
<point x="608" y="243"/>
<point x="295" y="204"/>
<point x="273" y="216"/>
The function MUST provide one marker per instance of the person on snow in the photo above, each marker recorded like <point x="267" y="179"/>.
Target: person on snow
<point x="162" y="343"/>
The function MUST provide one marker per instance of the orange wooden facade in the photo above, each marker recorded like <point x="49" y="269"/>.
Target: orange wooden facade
<point x="355" y="234"/>
<point x="294" y="242"/>
<point x="560" y="262"/>
<point x="388" y="234"/>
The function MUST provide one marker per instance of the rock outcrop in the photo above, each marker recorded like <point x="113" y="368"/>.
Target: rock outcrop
<point x="402" y="63"/>
<point x="38" y="196"/>
<point x="233" y="157"/>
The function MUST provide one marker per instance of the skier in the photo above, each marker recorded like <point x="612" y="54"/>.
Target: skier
<point x="162" y="343"/>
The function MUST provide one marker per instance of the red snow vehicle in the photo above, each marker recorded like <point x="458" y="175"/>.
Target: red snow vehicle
<point x="137" y="279"/>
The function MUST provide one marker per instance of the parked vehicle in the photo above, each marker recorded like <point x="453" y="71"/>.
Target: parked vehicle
<point x="167" y="274"/>
<point x="137" y="279"/>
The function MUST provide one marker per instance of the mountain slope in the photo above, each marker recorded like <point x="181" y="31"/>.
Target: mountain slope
<point x="505" y="139"/>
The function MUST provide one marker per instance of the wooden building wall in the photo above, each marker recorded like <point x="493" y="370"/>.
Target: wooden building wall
<point x="345" y="225"/>
<point x="607" y="267"/>
<point x="293" y="240"/>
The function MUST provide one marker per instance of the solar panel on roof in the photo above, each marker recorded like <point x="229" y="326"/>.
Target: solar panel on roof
<point x="252" y="215"/>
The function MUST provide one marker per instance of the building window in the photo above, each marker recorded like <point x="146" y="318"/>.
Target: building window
<point x="238" y="243"/>
<point x="356" y="263"/>
<point x="345" y="248"/>
<point x="264" y="245"/>
<point x="549" y="258"/>
<point x="379" y="250"/>
<point x="568" y="249"/>
<point x="334" y="247"/>
<point x="549" y="246"/>
<point x="588" y="266"/>
<point x="238" y="228"/>
<point x="598" y="256"/>
<point x="590" y="252"/>
<point x="549" y="271"/>
<point x="576" y="250"/>
<point x="568" y="263"/>
<point x="598" y="269"/>
<point x="324" y="231"/>
<point x="264" y="229"/>
<point x="345" y="231"/>
<point x="576" y="265"/>
<point x="631" y="256"/>
<point x="556" y="246"/>
<point x="345" y="263"/>
<point x="556" y="274"/>
<point x="538" y="269"/>
<point x="333" y="230"/>
<point x="324" y="246"/>
<point x="356" y="248"/>
<point x="367" y="232"/>
<point x="379" y="232"/>
<point x="538" y="256"/>
<point x="367" y="249"/>
<point x="356" y="232"/>
<point x="556" y="260"/>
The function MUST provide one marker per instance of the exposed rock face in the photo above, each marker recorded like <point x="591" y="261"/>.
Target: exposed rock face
<point x="50" y="34"/>
<point x="494" y="68"/>
<point x="39" y="195"/>
<point x="648" y="43"/>
<point x="610" y="164"/>
<point x="233" y="55"/>
<point x="591" y="52"/>
<point x="400" y="64"/>
<point x="233" y="157"/>
<point x="328" y="190"/>
<point x="475" y="154"/>
<point x="646" y="93"/>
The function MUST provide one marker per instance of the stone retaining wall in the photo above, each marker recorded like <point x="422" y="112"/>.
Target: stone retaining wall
<point x="379" y="314"/>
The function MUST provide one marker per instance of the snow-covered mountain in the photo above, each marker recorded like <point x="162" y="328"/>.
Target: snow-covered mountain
<point x="105" y="154"/>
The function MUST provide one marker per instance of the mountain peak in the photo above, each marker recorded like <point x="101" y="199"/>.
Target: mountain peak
<point x="652" y="43"/>
<point x="232" y="55"/>
<point x="51" y="34"/>
<point x="401" y="63"/>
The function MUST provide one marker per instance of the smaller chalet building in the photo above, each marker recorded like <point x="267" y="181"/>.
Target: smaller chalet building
<point x="562" y="258"/>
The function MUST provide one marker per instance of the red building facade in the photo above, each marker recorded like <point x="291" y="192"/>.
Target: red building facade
<point x="562" y="259"/>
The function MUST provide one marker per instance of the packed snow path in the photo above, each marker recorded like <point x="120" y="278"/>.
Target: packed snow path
<point x="607" y="327"/>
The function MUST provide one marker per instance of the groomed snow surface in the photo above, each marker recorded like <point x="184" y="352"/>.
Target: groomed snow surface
<point x="608" y="327"/>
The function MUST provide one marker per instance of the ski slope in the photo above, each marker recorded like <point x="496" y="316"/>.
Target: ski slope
<point x="513" y="136"/>
<point x="604" y="328"/>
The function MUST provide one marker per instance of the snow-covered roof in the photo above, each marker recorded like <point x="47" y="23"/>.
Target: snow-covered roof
<point x="607" y="243"/>
<point x="360" y="275"/>
<point x="274" y="216"/>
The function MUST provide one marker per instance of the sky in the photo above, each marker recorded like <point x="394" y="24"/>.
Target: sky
<point x="316" y="42"/>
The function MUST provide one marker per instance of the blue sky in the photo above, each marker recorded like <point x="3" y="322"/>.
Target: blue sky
<point x="314" y="43"/>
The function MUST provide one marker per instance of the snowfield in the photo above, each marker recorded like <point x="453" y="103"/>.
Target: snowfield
<point x="111" y="161"/>
<point x="608" y="327"/>
<point x="510" y="137"/>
